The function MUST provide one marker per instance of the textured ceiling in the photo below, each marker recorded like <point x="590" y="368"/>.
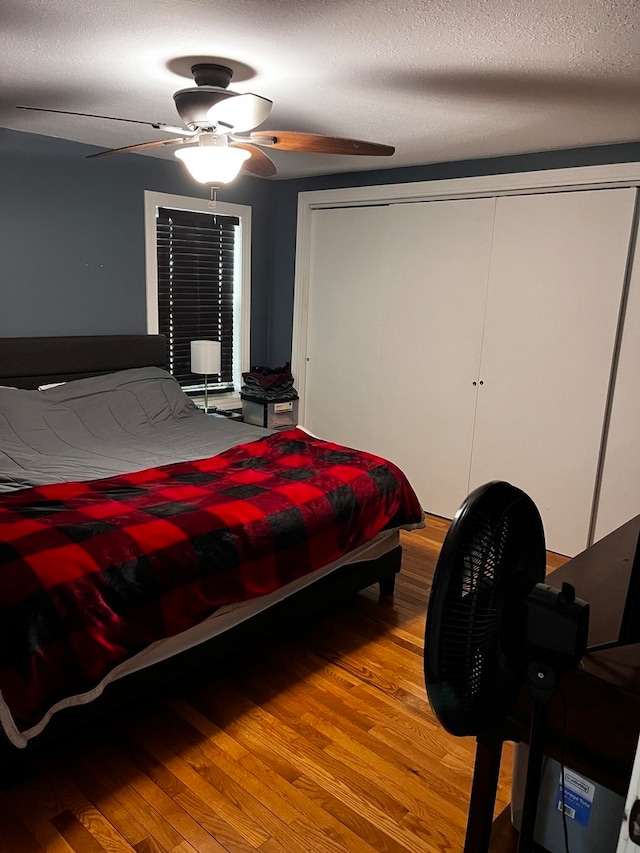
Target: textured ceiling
<point x="440" y="80"/>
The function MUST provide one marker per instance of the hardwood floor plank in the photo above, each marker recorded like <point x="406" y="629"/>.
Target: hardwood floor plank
<point x="239" y="780"/>
<point x="199" y="777"/>
<point x="14" y="835"/>
<point x="288" y="795"/>
<point x="88" y="779"/>
<point x="69" y="800"/>
<point x="363" y="834"/>
<point x="255" y="740"/>
<point x="350" y="787"/>
<point x="162" y="798"/>
<point x="115" y="770"/>
<point x="76" y="834"/>
<point x="400" y="762"/>
<point x="148" y="845"/>
<point x="25" y="802"/>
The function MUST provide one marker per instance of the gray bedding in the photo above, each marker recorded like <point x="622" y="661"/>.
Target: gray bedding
<point x="107" y="425"/>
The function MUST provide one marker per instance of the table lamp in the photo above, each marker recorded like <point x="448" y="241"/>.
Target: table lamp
<point x="205" y="359"/>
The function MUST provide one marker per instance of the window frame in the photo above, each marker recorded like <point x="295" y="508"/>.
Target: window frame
<point x="242" y="277"/>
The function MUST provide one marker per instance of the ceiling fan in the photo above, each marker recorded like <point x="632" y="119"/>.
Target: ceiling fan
<point x="214" y="115"/>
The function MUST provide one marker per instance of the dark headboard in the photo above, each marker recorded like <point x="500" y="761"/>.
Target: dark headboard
<point x="29" y="362"/>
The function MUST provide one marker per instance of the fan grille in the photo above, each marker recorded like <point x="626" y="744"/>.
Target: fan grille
<point x="492" y="557"/>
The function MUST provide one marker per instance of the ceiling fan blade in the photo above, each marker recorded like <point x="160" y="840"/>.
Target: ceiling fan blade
<point x="141" y="146"/>
<point x="240" y="112"/>
<point x="287" y="140"/>
<point x="89" y="115"/>
<point x="259" y="163"/>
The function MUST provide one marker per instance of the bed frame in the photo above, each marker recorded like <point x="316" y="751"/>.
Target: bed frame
<point x="30" y="362"/>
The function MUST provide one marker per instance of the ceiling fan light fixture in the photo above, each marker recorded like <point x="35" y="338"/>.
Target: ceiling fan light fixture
<point x="210" y="164"/>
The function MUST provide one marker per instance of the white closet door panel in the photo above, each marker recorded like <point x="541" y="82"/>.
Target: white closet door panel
<point x="557" y="270"/>
<point x="430" y="347"/>
<point x="620" y="487"/>
<point x="348" y="249"/>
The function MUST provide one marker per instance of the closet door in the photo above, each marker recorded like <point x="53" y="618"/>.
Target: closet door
<point x="433" y="308"/>
<point x="396" y="304"/>
<point x="346" y="280"/>
<point x="557" y="271"/>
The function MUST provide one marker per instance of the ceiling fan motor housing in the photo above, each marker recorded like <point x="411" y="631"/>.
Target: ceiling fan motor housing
<point x="194" y="103"/>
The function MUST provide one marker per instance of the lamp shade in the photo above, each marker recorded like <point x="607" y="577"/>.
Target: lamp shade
<point x="205" y="357"/>
<point x="210" y="164"/>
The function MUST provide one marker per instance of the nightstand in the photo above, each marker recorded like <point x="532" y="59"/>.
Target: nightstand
<point x="277" y="414"/>
<point x="229" y="414"/>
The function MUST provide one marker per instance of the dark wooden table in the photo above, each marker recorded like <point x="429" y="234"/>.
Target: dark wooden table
<point x="603" y="694"/>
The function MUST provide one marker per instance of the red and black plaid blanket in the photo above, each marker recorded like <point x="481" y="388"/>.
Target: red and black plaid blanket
<point x="93" y="572"/>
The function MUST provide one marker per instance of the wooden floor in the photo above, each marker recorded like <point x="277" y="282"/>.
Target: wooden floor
<point x="323" y="742"/>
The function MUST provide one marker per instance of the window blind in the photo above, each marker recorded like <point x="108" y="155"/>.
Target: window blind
<point x="196" y="254"/>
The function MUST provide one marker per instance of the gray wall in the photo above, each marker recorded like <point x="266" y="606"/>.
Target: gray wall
<point x="285" y="200"/>
<point x="72" y="234"/>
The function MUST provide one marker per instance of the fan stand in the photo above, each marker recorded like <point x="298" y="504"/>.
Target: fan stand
<point x="542" y="680"/>
<point x="484" y="788"/>
<point x="557" y="626"/>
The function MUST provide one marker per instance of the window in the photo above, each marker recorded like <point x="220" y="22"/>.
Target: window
<point x="198" y="260"/>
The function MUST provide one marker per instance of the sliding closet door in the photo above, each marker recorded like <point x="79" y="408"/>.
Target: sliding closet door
<point x="433" y="308"/>
<point x="394" y="330"/>
<point x="557" y="271"/>
<point x="346" y="278"/>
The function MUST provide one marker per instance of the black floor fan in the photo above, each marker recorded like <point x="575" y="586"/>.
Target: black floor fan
<point x="492" y="624"/>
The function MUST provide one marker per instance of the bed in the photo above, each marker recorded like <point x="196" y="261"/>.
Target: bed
<point x="140" y="536"/>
